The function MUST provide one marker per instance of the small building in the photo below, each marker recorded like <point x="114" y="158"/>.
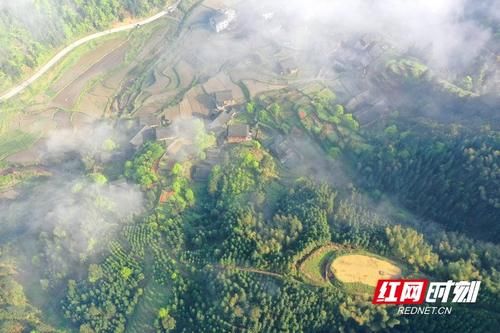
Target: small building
<point x="284" y="153"/>
<point x="174" y="148"/>
<point x="150" y="120"/>
<point x="358" y="100"/>
<point x="150" y="129"/>
<point x="164" y="133"/>
<point x="146" y="133"/>
<point x="288" y="67"/>
<point x="224" y="99"/>
<point x="201" y="172"/>
<point x="365" y="43"/>
<point x="222" y="19"/>
<point x="238" y="133"/>
<point x="220" y="122"/>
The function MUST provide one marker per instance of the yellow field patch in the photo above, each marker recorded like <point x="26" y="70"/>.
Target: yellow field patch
<point x="355" y="268"/>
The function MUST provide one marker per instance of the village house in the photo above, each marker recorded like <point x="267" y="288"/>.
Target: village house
<point x="201" y="172"/>
<point x="364" y="44"/>
<point x="150" y="120"/>
<point x="224" y="99"/>
<point x="171" y="140"/>
<point x="164" y="134"/>
<point x="222" y="19"/>
<point x="288" y="67"/>
<point x="177" y="147"/>
<point x="146" y="133"/>
<point x="358" y="100"/>
<point x="220" y="122"/>
<point x="282" y="149"/>
<point x="147" y="126"/>
<point x="238" y="133"/>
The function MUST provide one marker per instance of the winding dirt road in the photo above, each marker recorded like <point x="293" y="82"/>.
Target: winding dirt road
<point x="16" y="90"/>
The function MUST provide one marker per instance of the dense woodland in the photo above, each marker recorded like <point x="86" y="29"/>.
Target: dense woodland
<point x="220" y="255"/>
<point x="16" y="312"/>
<point x="453" y="179"/>
<point x="242" y="231"/>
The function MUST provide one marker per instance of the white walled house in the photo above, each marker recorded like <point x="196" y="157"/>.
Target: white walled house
<point x="222" y="19"/>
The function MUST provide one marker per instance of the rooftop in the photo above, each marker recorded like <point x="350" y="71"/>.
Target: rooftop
<point x="164" y="133"/>
<point x="145" y="134"/>
<point x="225" y="15"/>
<point x="288" y="65"/>
<point x="219" y="18"/>
<point x="238" y="130"/>
<point x="223" y="96"/>
<point x="222" y="119"/>
<point x="149" y="120"/>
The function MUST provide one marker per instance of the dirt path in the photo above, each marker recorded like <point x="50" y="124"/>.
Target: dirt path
<point x="266" y="273"/>
<point x="254" y="270"/>
<point x="16" y="90"/>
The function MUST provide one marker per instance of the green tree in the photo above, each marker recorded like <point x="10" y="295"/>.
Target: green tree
<point x="95" y="273"/>
<point x="410" y="245"/>
<point x="250" y="107"/>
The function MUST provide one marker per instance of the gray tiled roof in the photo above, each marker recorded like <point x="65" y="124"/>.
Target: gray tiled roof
<point x="238" y="130"/>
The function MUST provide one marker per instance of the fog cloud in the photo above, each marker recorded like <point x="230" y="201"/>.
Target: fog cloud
<point x="72" y="213"/>
<point x="86" y="140"/>
<point x="442" y="29"/>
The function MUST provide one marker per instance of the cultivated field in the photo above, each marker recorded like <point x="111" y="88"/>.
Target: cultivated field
<point x="68" y="96"/>
<point x="357" y="268"/>
<point x="15" y="141"/>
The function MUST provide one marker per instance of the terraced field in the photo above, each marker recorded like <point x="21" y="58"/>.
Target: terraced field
<point x="15" y="141"/>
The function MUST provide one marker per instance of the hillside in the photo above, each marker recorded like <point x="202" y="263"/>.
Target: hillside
<point x="250" y="166"/>
<point x="31" y="30"/>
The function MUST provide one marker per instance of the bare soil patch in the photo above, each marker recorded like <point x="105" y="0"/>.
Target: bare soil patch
<point x="357" y="268"/>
